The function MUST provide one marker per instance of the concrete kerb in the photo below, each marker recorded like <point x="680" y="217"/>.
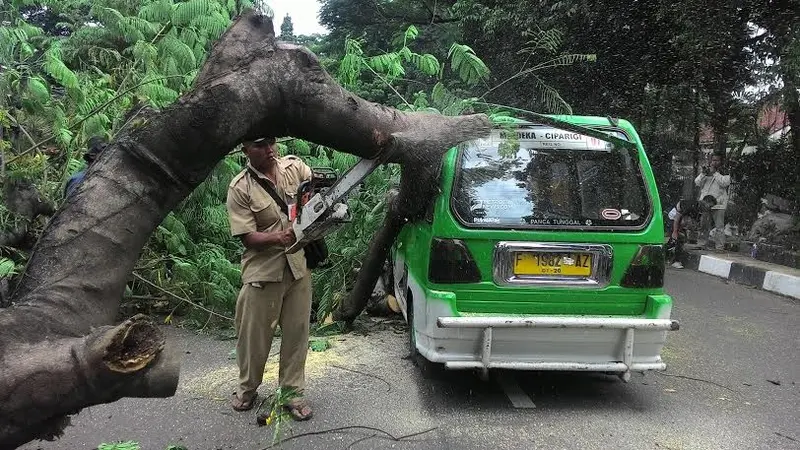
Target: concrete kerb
<point x="775" y="281"/>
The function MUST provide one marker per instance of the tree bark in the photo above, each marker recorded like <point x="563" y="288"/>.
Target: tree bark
<point x="47" y="380"/>
<point x="250" y="86"/>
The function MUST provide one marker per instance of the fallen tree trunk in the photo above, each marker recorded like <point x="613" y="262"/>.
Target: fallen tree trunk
<point x="56" y="353"/>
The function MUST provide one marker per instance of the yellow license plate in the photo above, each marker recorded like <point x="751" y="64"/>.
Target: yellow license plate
<point x="560" y="264"/>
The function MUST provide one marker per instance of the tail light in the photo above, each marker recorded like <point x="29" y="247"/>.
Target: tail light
<point x="451" y="262"/>
<point x="646" y="269"/>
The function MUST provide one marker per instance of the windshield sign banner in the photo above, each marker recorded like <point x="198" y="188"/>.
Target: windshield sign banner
<point x="543" y="138"/>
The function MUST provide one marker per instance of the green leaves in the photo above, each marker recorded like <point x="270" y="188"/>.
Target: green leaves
<point x="547" y="40"/>
<point x="170" y="46"/>
<point x="144" y="52"/>
<point x="466" y="63"/>
<point x="388" y="63"/>
<point x="549" y="97"/>
<point x="18" y="41"/>
<point x="411" y="33"/>
<point x="74" y="165"/>
<point x="56" y="68"/>
<point x="7" y="268"/>
<point x="159" y="11"/>
<point x="446" y="102"/>
<point x="131" y="29"/>
<point x="427" y="64"/>
<point x="319" y="345"/>
<point x="213" y="24"/>
<point x="157" y="93"/>
<point x="351" y="64"/>
<point x="126" y="445"/>
<point x="38" y="90"/>
<point x="186" y="12"/>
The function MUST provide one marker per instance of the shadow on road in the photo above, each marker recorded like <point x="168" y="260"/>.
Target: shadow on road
<point x="569" y="391"/>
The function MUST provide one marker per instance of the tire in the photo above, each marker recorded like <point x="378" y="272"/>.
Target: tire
<point x="428" y="369"/>
<point x="412" y="339"/>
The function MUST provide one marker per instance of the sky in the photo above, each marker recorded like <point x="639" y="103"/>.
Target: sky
<point x="303" y="13"/>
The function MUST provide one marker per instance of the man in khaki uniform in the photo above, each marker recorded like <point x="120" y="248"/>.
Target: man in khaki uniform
<point x="276" y="286"/>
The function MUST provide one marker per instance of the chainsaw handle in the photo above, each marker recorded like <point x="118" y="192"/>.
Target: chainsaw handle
<point x="302" y="191"/>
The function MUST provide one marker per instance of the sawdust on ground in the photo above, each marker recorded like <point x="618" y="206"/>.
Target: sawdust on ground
<point x="217" y="384"/>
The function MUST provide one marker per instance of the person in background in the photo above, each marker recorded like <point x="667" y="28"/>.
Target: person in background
<point x="685" y="208"/>
<point x="276" y="286"/>
<point x="95" y="146"/>
<point x="712" y="181"/>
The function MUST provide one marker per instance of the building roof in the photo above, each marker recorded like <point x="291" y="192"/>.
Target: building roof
<point x="772" y="119"/>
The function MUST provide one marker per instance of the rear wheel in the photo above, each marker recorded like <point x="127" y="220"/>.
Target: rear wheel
<point x="412" y="338"/>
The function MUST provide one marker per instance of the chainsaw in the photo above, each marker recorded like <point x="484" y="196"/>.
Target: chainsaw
<point x="321" y="207"/>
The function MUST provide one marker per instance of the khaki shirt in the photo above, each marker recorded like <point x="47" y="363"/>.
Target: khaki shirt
<point x="251" y="208"/>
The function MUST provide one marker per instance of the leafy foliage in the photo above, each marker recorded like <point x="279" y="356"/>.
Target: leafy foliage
<point x="60" y="89"/>
<point x="469" y="67"/>
<point x="7" y="268"/>
<point x="68" y="86"/>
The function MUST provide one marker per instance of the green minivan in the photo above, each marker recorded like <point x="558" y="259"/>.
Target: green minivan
<point x="543" y="251"/>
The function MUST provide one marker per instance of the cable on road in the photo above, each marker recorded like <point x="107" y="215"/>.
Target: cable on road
<point x="388" y="385"/>
<point x="362" y="439"/>
<point x="787" y="437"/>
<point x="697" y="379"/>
<point x="350" y="428"/>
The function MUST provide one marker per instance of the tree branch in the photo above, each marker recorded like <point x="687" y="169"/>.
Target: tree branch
<point x="93" y="112"/>
<point x="178" y="297"/>
<point x="129" y="360"/>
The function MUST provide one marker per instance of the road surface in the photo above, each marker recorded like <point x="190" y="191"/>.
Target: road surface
<point x="733" y="382"/>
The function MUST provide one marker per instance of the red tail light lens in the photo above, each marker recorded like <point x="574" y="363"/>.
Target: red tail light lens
<point x="646" y="269"/>
<point x="451" y="262"/>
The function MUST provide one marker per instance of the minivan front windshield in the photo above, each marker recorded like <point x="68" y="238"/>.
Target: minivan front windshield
<point x="544" y="177"/>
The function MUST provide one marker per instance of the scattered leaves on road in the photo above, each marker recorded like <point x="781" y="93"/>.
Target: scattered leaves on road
<point x="319" y="345"/>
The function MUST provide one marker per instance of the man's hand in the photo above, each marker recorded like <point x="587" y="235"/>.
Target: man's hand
<point x="286" y="237"/>
<point x="260" y="240"/>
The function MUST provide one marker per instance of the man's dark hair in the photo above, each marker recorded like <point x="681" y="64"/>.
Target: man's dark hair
<point x="710" y="199"/>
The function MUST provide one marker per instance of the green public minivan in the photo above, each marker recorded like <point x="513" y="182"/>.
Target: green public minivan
<point x="544" y="251"/>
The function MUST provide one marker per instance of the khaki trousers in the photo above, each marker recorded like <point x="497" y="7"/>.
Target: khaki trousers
<point x="258" y="311"/>
<point x="714" y="220"/>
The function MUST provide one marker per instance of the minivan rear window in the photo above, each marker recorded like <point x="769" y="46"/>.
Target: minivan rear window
<point x="544" y="177"/>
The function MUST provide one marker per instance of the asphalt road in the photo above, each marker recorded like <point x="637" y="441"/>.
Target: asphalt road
<point x="733" y="382"/>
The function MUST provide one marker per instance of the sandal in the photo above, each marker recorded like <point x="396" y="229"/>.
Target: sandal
<point x="299" y="410"/>
<point x="241" y="405"/>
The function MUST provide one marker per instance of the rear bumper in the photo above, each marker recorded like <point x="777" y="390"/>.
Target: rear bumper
<point x="564" y="342"/>
<point x="603" y="344"/>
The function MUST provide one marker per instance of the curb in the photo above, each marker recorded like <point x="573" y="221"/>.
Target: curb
<point x="768" y="280"/>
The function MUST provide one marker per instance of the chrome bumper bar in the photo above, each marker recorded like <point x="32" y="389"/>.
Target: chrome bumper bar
<point x="627" y="324"/>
